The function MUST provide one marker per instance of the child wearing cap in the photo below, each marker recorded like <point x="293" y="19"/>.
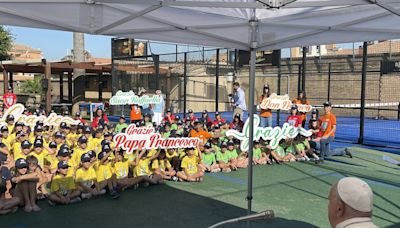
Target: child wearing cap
<point x="80" y="150"/>
<point x="294" y="119"/>
<point x="8" y="203"/>
<point x="300" y="148"/>
<point x="63" y="188"/>
<point x="105" y="174"/>
<point x="86" y="178"/>
<point x="222" y="158"/>
<point x="259" y="157"/>
<point x="142" y="166"/>
<point x="96" y="141"/>
<point x="51" y="160"/>
<point x="25" y="188"/>
<point x="173" y="158"/>
<point x="218" y="119"/>
<point x="122" y="167"/>
<point x="190" y="167"/>
<point x="208" y="159"/>
<point x="5" y="136"/>
<point x="121" y="124"/>
<point x="33" y="167"/>
<point x="161" y="166"/>
<point x="22" y="150"/>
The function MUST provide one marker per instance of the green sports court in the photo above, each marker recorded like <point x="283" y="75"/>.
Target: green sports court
<point x="297" y="192"/>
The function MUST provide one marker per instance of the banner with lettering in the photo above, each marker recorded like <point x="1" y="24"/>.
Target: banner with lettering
<point x="145" y="137"/>
<point x="282" y="102"/>
<point x="130" y="98"/>
<point x="273" y="135"/>
<point x="53" y="119"/>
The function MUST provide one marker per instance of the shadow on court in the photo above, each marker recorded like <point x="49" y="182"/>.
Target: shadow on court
<point x="155" y="206"/>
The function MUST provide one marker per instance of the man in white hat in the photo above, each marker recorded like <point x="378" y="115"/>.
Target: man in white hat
<point x="350" y="204"/>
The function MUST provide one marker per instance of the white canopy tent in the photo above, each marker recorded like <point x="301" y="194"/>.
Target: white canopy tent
<point x="247" y="25"/>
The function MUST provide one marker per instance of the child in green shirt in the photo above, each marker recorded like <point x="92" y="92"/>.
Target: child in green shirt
<point x="121" y="125"/>
<point x="208" y="159"/>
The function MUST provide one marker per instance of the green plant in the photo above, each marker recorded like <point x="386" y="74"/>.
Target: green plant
<point x="6" y="40"/>
<point x="32" y="86"/>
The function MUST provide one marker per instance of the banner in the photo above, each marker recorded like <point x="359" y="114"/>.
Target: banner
<point x="53" y="119"/>
<point x="145" y="137"/>
<point x="130" y="98"/>
<point x="282" y="102"/>
<point x="274" y="135"/>
<point x="9" y="99"/>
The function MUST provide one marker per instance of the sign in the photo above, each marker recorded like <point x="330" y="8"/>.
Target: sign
<point x="130" y="98"/>
<point x="140" y="48"/>
<point x="282" y="102"/>
<point x="9" y="99"/>
<point x="122" y="48"/>
<point x="145" y="137"/>
<point x="53" y="119"/>
<point x="274" y="135"/>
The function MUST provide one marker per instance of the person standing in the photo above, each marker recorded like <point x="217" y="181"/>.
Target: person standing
<point x="158" y="109"/>
<point x="100" y="119"/>
<point x="265" y="114"/>
<point x="327" y="124"/>
<point x="302" y="100"/>
<point x="350" y="204"/>
<point x="239" y="100"/>
<point x="328" y="129"/>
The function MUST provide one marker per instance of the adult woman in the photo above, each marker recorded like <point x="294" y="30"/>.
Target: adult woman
<point x="100" y="118"/>
<point x="302" y="100"/>
<point x="237" y="123"/>
<point x="265" y="114"/>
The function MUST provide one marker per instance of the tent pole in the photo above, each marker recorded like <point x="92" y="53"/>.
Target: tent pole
<point x="184" y="84"/>
<point x="217" y="82"/>
<point x="253" y="25"/>
<point x="363" y="85"/>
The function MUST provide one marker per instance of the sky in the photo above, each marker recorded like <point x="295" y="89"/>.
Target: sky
<point x="57" y="44"/>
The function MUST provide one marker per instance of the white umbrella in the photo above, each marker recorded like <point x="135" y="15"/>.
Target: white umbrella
<point x="247" y="25"/>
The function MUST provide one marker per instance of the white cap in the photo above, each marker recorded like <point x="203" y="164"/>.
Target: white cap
<point x="356" y="193"/>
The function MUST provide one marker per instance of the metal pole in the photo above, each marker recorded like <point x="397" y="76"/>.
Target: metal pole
<point x="156" y="59"/>
<point x="70" y="87"/>
<point x="61" y="87"/>
<point x="299" y="80"/>
<point x="329" y="81"/>
<point x="363" y="85"/>
<point x="47" y="73"/>
<point x="5" y="77"/>
<point x="217" y="82"/>
<point x="303" y="74"/>
<point x="253" y="25"/>
<point x="100" y="87"/>
<point x="278" y="113"/>
<point x="176" y="53"/>
<point x="184" y="83"/>
<point x="12" y="81"/>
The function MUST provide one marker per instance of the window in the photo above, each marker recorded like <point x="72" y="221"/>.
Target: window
<point x="87" y="84"/>
<point x="104" y="84"/>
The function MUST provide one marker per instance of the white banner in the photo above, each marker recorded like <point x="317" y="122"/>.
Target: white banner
<point x="130" y="98"/>
<point x="145" y="137"/>
<point x="53" y="119"/>
<point x="282" y="102"/>
<point x="274" y="135"/>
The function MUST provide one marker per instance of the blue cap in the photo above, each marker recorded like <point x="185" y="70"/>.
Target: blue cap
<point x="26" y="144"/>
<point x="106" y="148"/>
<point x="10" y="117"/>
<point x="224" y="144"/>
<point x="19" y="124"/>
<point x="101" y="155"/>
<point x="83" y="139"/>
<point x="38" y="128"/>
<point x="64" y="146"/>
<point x="88" y="129"/>
<point x="63" y="152"/>
<point x="21" y="163"/>
<point x="63" y="165"/>
<point x="38" y="143"/>
<point x="92" y="154"/>
<point x="207" y="145"/>
<point x="4" y="128"/>
<point x="85" y="157"/>
<point x="53" y="144"/>
<point x="58" y="134"/>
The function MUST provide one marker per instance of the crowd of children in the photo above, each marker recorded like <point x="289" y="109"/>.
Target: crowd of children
<point x="69" y="163"/>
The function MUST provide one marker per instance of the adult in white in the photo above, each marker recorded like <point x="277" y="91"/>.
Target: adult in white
<point x="158" y="109"/>
<point x="350" y="204"/>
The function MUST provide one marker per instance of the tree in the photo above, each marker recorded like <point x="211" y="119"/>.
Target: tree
<point x="6" y="40"/>
<point x="32" y="86"/>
